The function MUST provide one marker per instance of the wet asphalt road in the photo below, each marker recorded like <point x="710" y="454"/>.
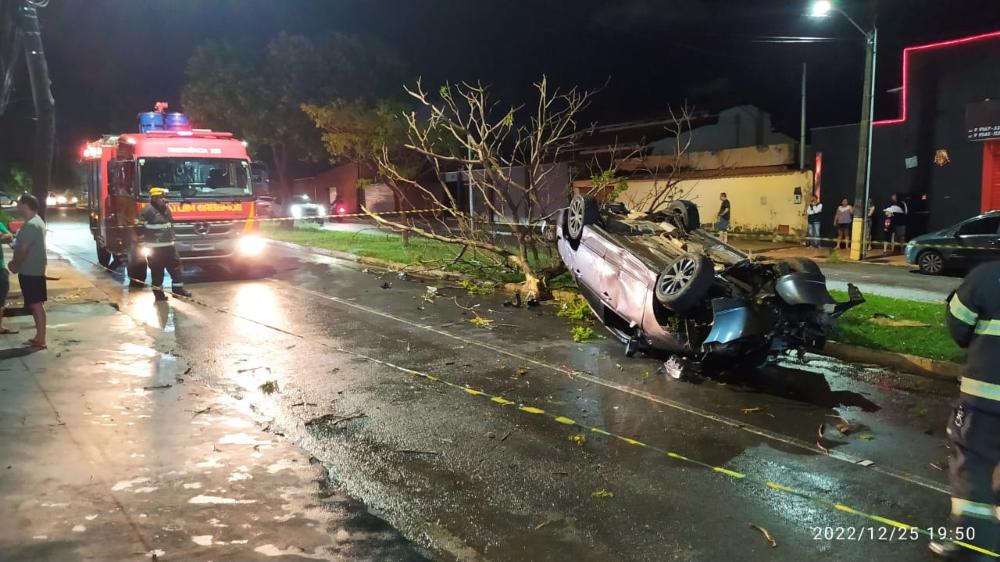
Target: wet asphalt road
<point x="472" y="479"/>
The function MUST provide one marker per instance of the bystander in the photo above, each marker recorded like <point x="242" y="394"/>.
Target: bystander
<point x="29" y="262"/>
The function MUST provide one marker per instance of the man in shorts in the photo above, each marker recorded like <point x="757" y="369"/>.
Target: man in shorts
<point x="29" y="263"/>
<point x="723" y="217"/>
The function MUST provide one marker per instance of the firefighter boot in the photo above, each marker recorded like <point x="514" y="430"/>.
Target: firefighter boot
<point x="181" y="291"/>
<point x="160" y="295"/>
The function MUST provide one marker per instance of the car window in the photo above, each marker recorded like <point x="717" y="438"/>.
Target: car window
<point x="988" y="225"/>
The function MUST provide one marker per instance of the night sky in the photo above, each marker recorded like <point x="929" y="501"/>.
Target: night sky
<point x="110" y="59"/>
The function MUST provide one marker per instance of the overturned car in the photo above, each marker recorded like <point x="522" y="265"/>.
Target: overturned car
<point x="660" y="282"/>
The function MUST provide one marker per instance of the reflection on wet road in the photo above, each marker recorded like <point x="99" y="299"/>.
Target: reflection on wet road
<point x="464" y="475"/>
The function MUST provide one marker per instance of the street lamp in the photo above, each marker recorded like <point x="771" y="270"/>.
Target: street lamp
<point x="859" y="228"/>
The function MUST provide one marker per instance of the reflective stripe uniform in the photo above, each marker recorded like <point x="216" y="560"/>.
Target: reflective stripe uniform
<point x="973" y="319"/>
<point x="157" y="230"/>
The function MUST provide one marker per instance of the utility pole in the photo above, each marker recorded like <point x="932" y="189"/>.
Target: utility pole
<point x="45" y="105"/>
<point x="862" y="182"/>
<point x="22" y="32"/>
<point x="802" y="122"/>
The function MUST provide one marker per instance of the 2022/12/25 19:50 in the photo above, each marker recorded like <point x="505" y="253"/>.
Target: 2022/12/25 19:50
<point x="890" y="533"/>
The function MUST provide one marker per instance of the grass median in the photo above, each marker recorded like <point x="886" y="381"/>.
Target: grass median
<point x="883" y="323"/>
<point x="904" y="326"/>
<point x="419" y="253"/>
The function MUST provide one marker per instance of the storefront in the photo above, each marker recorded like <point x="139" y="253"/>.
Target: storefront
<point x="942" y="152"/>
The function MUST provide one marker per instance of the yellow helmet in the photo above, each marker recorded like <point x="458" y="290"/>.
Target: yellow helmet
<point x="157" y="191"/>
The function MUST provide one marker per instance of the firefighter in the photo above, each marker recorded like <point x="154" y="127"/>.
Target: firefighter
<point x="974" y="429"/>
<point x="156" y="225"/>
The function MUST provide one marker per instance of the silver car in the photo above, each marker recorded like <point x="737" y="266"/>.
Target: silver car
<point x="660" y="282"/>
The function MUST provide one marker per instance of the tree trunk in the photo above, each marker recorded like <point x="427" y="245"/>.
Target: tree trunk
<point x="280" y="154"/>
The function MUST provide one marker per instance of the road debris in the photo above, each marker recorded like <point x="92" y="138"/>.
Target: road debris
<point x="603" y="493"/>
<point x="416" y="452"/>
<point x="767" y="535"/>
<point x="579" y="439"/>
<point x="251" y="369"/>
<point x="269" y="387"/>
<point x="892" y="322"/>
<point x="157" y="387"/>
<point x="334" y="419"/>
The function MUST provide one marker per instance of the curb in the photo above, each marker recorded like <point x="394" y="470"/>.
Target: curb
<point x="934" y="368"/>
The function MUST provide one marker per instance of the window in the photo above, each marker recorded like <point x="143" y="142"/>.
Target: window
<point x="196" y="177"/>
<point x="988" y="225"/>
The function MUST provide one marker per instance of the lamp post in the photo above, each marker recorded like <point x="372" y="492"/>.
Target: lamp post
<point x="862" y="184"/>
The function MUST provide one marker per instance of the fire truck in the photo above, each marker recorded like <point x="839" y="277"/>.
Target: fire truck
<point x="208" y="175"/>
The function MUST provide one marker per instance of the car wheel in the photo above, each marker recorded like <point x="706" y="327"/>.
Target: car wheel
<point x="684" y="282"/>
<point x="686" y="214"/>
<point x="931" y="262"/>
<point x="803" y="265"/>
<point x="582" y="211"/>
<point x="103" y="256"/>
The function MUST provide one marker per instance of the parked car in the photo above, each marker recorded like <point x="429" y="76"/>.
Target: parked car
<point x="659" y="282"/>
<point x="265" y="206"/>
<point x="7" y="201"/>
<point x="964" y="245"/>
<point x="302" y="207"/>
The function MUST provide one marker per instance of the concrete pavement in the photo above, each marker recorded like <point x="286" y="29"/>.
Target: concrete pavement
<point x="471" y="479"/>
<point x="114" y="449"/>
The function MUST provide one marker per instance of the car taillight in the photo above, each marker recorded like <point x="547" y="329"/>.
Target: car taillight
<point x="341" y="210"/>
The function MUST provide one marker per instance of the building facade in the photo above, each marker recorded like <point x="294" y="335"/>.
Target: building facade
<point x="941" y="153"/>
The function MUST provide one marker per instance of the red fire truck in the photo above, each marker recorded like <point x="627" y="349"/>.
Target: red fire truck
<point x="211" y="195"/>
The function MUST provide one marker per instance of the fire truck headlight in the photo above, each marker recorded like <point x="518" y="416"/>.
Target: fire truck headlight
<point x="320" y="210"/>
<point x="250" y="245"/>
<point x="146" y="251"/>
<point x="296" y="211"/>
<point x="60" y="199"/>
<point x="73" y="200"/>
<point x="50" y="201"/>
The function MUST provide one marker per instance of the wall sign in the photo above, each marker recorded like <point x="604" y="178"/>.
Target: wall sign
<point x="982" y="120"/>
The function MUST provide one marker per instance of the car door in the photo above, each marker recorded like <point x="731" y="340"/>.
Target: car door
<point x="978" y="240"/>
<point x="599" y="268"/>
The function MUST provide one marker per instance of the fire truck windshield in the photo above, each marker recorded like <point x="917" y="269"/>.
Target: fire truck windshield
<point x="196" y="177"/>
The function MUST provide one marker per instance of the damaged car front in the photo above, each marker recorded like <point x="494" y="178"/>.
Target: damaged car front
<point x="660" y="282"/>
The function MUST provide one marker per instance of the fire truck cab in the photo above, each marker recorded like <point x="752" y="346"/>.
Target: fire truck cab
<point x="208" y="175"/>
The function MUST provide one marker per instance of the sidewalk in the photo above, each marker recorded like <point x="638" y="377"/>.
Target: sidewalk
<point x="114" y="451"/>
<point x="824" y="255"/>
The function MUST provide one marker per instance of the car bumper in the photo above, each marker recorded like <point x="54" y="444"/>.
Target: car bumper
<point x="910" y="253"/>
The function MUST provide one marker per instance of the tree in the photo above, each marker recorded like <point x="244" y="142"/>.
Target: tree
<point x="16" y="180"/>
<point x="511" y="150"/>
<point x="259" y="92"/>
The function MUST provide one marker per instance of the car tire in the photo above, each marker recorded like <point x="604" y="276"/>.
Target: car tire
<point x="686" y="214"/>
<point x="803" y="265"/>
<point x="583" y="211"/>
<point x="685" y="282"/>
<point x="136" y="270"/>
<point x="104" y="257"/>
<point x="930" y="262"/>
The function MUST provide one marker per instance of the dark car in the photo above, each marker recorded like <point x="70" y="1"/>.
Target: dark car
<point x="659" y="282"/>
<point x="963" y="245"/>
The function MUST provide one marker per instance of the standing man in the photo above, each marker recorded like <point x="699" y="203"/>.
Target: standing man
<point x="814" y="214"/>
<point x="156" y="225"/>
<point x="29" y="263"/>
<point x="723" y="217"/>
<point x="974" y="429"/>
